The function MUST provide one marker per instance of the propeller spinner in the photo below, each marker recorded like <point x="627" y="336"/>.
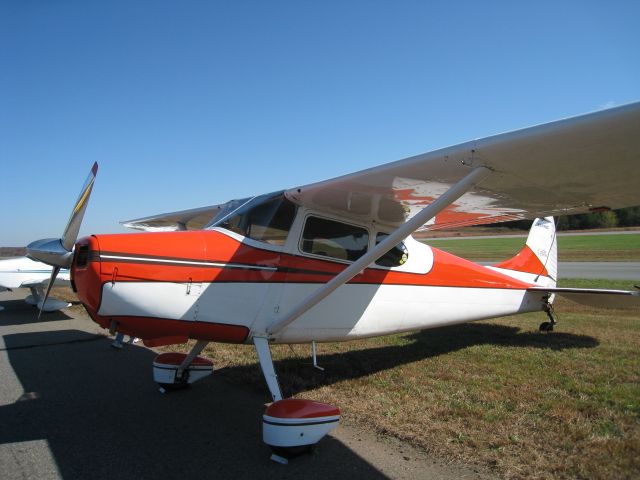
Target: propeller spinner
<point x="58" y="252"/>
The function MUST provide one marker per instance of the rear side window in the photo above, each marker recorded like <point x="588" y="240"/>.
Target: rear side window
<point x="329" y="238"/>
<point x="395" y="257"/>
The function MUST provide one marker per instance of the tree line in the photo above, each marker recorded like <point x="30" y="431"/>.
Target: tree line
<point x="624" y="217"/>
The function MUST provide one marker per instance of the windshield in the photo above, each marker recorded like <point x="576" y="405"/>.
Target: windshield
<point x="266" y="218"/>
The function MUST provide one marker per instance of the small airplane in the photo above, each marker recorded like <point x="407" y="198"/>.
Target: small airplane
<point x="22" y="272"/>
<point x="335" y="260"/>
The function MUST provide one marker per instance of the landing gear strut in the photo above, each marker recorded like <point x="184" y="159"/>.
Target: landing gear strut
<point x="548" y="309"/>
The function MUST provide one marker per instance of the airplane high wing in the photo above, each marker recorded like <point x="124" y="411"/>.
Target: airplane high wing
<point x="584" y="163"/>
<point x="335" y="260"/>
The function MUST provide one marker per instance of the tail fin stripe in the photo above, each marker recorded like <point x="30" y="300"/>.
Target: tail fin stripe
<point x="525" y="261"/>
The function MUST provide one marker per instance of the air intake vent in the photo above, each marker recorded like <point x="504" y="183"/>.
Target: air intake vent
<point x="82" y="256"/>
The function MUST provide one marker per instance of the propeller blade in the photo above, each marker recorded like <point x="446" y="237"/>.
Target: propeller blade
<point x="70" y="234"/>
<point x="58" y="252"/>
<point x="52" y="279"/>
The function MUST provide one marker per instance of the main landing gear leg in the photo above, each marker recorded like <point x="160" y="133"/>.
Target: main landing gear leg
<point x="266" y="364"/>
<point x="548" y="309"/>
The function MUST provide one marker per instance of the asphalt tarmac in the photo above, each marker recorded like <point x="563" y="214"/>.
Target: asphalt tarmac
<point x="72" y="407"/>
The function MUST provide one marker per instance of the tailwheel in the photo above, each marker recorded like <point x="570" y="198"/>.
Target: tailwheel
<point x="546" y="327"/>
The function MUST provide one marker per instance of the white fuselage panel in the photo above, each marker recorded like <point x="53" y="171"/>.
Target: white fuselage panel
<point x="229" y="303"/>
<point x="358" y="311"/>
<point x="353" y="311"/>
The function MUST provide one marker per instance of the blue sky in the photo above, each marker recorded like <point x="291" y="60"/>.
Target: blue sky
<point x="186" y="104"/>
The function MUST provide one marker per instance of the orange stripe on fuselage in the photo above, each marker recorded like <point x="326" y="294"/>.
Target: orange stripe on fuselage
<point x="219" y="258"/>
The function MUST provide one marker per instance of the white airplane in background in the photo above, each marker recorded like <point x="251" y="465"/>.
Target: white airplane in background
<point x="335" y="260"/>
<point x="22" y="272"/>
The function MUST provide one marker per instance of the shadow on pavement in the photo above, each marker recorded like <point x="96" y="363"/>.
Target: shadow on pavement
<point x="17" y="312"/>
<point x="103" y="417"/>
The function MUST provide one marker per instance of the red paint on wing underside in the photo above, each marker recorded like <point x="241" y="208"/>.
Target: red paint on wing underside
<point x="525" y="261"/>
<point x="460" y="219"/>
<point x="409" y="195"/>
<point x="452" y="215"/>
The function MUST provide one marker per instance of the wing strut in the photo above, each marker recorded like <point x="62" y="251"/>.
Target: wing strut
<point x="447" y="198"/>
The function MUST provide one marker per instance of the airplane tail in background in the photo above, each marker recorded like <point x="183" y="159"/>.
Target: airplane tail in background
<point x="537" y="262"/>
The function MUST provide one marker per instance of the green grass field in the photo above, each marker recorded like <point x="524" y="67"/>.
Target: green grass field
<point x="497" y="393"/>
<point x="573" y="248"/>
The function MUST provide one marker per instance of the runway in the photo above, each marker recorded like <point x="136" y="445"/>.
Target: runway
<point x="595" y="270"/>
<point x="606" y="270"/>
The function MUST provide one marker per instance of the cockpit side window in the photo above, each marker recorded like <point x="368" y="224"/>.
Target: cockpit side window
<point x="329" y="238"/>
<point x="265" y="219"/>
<point x="271" y="221"/>
<point x="395" y="257"/>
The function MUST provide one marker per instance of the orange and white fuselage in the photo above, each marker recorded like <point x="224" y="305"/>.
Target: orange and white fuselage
<point x="218" y="286"/>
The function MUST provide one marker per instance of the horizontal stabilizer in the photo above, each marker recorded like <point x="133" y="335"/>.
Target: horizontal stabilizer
<point x="595" y="297"/>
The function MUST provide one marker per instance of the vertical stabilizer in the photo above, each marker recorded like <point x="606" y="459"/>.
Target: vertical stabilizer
<point x="537" y="262"/>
